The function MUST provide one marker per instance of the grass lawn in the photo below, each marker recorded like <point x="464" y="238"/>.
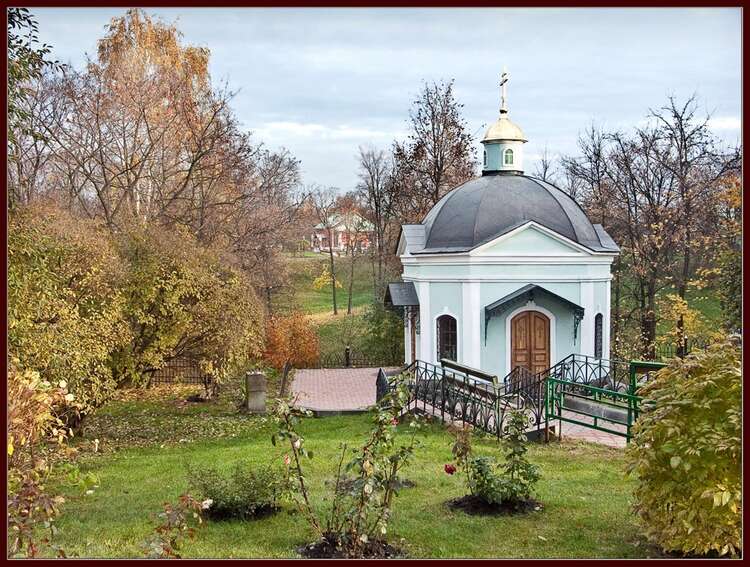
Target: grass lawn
<point x="583" y="490"/>
<point x="305" y="269"/>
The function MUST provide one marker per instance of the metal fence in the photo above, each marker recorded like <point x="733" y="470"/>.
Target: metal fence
<point x="583" y="390"/>
<point x="612" y="412"/>
<point x="588" y="370"/>
<point x="665" y="351"/>
<point x="349" y="358"/>
<point x="178" y="371"/>
<point x="455" y="396"/>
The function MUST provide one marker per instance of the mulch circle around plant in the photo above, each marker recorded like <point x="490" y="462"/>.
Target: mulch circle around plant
<point x="327" y="549"/>
<point x="259" y="513"/>
<point x="476" y="506"/>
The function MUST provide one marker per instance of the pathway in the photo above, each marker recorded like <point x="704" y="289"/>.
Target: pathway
<point x="574" y="431"/>
<point x="346" y="390"/>
<point x="334" y="390"/>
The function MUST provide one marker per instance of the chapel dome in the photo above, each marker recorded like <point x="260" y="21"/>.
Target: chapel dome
<point x="503" y="130"/>
<point x="486" y="207"/>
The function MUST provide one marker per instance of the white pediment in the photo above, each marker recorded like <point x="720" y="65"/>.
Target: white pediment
<point x="412" y="239"/>
<point x="531" y="240"/>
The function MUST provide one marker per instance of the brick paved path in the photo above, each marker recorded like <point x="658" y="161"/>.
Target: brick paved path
<point x="335" y="389"/>
<point x="353" y="389"/>
<point x="573" y="431"/>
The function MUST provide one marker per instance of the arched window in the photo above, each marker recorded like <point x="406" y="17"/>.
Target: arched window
<point x="598" y="334"/>
<point x="508" y="157"/>
<point x="447" y="338"/>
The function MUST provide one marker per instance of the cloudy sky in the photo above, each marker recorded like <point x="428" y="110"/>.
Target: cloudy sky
<point x="321" y="82"/>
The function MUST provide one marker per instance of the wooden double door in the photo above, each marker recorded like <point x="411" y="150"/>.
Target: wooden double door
<point x="529" y="341"/>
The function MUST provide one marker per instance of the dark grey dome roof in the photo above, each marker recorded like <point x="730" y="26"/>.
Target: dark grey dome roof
<point x="487" y="207"/>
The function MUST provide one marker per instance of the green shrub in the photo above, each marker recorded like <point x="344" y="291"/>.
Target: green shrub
<point x="384" y="336"/>
<point x="247" y="491"/>
<point x="511" y="482"/>
<point x="686" y="453"/>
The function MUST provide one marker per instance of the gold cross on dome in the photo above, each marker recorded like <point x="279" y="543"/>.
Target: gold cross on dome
<point x="503" y="80"/>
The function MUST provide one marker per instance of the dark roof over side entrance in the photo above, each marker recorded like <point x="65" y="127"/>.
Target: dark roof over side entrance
<point x="401" y="294"/>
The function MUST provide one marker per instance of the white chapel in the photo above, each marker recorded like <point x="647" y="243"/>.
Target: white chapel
<point x="506" y="270"/>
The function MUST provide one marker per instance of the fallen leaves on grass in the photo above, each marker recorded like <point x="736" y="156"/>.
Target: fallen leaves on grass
<point x="161" y="416"/>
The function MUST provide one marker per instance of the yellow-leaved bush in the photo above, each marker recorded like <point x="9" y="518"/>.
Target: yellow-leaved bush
<point x="686" y="454"/>
<point x="184" y="300"/>
<point x="65" y="312"/>
<point x="33" y="432"/>
<point x="96" y="309"/>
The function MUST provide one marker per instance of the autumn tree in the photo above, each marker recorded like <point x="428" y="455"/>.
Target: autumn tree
<point x="689" y="154"/>
<point x="291" y="339"/>
<point x="140" y="137"/>
<point x="588" y="180"/>
<point x="264" y="219"/>
<point x="323" y="200"/>
<point x="650" y="221"/>
<point x="141" y="122"/>
<point x="655" y="191"/>
<point x="27" y="63"/>
<point x="437" y="155"/>
<point x="354" y="226"/>
<point x="27" y="60"/>
<point x="728" y="251"/>
<point x="376" y="190"/>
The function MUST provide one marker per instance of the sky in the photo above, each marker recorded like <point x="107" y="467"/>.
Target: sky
<point x="322" y="82"/>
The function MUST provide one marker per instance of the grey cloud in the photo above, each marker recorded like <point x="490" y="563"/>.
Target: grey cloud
<point x="354" y="71"/>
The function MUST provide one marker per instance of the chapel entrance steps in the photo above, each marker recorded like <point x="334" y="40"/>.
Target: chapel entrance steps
<point x="580" y="391"/>
<point x="462" y="395"/>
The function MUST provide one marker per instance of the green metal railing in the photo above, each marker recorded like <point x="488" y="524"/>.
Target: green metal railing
<point x="572" y="402"/>
<point x="642" y="368"/>
<point x="576" y="399"/>
<point x="597" y="394"/>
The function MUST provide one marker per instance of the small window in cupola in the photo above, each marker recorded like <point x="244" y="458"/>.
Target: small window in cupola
<point x="508" y="157"/>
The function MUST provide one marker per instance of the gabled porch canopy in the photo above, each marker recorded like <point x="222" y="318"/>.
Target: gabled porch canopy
<point x="401" y="294"/>
<point x="523" y="296"/>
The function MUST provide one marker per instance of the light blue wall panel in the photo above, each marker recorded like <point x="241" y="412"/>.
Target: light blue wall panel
<point x="494" y="345"/>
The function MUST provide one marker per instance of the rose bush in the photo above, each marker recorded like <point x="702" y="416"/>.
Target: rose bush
<point x="511" y="482"/>
<point x="359" y="513"/>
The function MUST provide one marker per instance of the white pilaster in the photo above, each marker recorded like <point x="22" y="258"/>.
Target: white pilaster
<point x="606" y="319"/>
<point x="471" y="324"/>
<point x="586" y="329"/>
<point x="426" y="349"/>
<point x="407" y="336"/>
